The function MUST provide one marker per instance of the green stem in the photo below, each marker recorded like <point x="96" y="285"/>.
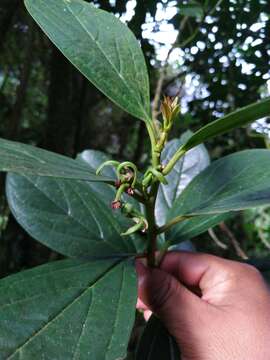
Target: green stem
<point x="151" y="132"/>
<point x="151" y="201"/>
<point x="152" y="231"/>
<point x="173" y="222"/>
<point x="168" y="168"/>
<point x="120" y="191"/>
<point x="218" y="3"/>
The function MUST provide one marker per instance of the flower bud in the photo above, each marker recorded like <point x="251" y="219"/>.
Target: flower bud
<point x="130" y="191"/>
<point x="170" y="109"/>
<point x="116" y="204"/>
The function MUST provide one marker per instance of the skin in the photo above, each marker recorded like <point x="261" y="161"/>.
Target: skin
<point x="215" y="308"/>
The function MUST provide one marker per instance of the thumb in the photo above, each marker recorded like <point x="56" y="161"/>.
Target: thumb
<point x="166" y="296"/>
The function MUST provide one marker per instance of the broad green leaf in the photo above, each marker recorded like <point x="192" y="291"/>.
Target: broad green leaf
<point x="194" y="227"/>
<point x="231" y="121"/>
<point x="183" y="172"/>
<point x="189" y="166"/>
<point x="156" y="343"/>
<point x="67" y="216"/>
<point x="68" y="310"/>
<point x="26" y="159"/>
<point x="192" y="9"/>
<point x="101" y="47"/>
<point x="185" y="245"/>
<point x="235" y="182"/>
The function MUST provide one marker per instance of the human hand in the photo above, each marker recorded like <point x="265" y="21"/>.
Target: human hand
<point x="216" y="309"/>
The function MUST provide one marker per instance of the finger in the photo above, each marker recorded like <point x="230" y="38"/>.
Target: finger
<point x="192" y="268"/>
<point x="162" y="293"/>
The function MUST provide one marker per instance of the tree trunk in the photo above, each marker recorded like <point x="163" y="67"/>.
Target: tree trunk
<point x="60" y="130"/>
<point x="15" y="119"/>
<point x="8" y="9"/>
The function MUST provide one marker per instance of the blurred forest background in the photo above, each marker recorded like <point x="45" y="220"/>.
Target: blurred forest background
<point x="214" y="54"/>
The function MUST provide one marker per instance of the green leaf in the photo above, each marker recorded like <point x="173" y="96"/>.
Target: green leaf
<point x="195" y="226"/>
<point x="192" y="9"/>
<point x="25" y="159"/>
<point x="188" y="167"/>
<point x="229" y="122"/>
<point x="235" y="182"/>
<point x="156" y="343"/>
<point x="183" y="172"/>
<point x="68" y="216"/>
<point x="68" y="310"/>
<point x="101" y="47"/>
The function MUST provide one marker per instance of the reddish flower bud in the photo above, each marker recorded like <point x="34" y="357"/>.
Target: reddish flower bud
<point x="130" y="191"/>
<point x="116" y="205"/>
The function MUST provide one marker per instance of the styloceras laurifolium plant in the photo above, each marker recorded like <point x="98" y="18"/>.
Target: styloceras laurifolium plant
<point x="84" y="307"/>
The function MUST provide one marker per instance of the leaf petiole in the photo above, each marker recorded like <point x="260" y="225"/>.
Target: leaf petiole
<point x="173" y="222"/>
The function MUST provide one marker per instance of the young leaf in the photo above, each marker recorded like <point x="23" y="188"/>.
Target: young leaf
<point x="68" y="216"/>
<point x="183" y="172"/>
<point x="101" y="47"/>
<point x="235" y="182"/>
<point x="61" y="311"/>
<point x="26" y="159"/>
<point x="229" y="122"/>
<point x="156" y="343"/>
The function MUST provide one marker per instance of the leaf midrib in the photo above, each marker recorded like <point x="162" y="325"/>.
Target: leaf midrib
<point x="69" y="304"/>
<point x="129" y="89"/>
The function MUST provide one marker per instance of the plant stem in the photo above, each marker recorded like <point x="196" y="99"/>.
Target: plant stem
<point x="152" y="229"/>
<point x="151" y="132"/>
<point x="168" y="168"/>
<point x="139" y="197"/>
<point x="173" y="222"/>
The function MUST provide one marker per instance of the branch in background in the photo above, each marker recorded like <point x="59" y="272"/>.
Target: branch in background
<point x="158" y="92"/>
<point x="216" y="240"/>
<point x="155" y="106"/>
<point x="80" y="112"/>
<point x="170" y="81"/>
<point x="177" y="44"/>
<point x="263" y="239"/>
<point x="240" y="252"/>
